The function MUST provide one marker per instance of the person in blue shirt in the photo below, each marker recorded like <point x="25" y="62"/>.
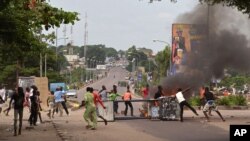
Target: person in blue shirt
<point x="58" y="100"/>
<point x="64" y="101"/>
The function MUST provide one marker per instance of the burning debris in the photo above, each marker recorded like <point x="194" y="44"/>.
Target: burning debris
<point x="225" y="45"/>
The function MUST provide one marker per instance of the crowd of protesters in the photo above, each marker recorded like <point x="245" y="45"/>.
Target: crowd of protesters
<point x="56" y="102"/>
<point x="92" y="98"/>
<point x="30" y="98"/>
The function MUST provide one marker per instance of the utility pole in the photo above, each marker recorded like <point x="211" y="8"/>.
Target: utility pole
<point x="85" y="43"/>
<point x="71" y="35"/>
<point x="64" y="34"/>
<point x="41" y="65"/>
<point x="45" y="65"/>
<point x="85" y="38"/>
<point x="56" y="46"/>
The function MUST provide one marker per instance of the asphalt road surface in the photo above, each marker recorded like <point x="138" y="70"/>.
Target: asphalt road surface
<point x="192" y="129"/>
<point x="108" y="81"/>
<point x="72" y="127"/>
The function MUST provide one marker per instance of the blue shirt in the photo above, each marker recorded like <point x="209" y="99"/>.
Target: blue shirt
<point x="59" y="96"/>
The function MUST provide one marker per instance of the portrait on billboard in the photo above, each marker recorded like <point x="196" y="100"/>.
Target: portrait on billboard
<point x="186" y="38"/>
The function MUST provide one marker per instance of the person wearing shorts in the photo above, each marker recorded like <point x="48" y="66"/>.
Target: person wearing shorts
<point x="210" y="104"/>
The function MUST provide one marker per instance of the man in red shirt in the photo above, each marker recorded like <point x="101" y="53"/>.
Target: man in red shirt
<point x="145" y="92"/>
<point x="97" y="100"/>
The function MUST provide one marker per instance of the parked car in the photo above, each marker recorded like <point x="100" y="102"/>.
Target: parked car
<point x="71" y="93"/>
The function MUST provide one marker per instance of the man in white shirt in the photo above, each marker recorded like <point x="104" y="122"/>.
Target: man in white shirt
<point x="182" y="102"/>
<point x="2" y="92"/>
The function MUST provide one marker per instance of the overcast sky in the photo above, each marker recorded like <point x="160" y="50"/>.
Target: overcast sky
<point x="123" y="23"/>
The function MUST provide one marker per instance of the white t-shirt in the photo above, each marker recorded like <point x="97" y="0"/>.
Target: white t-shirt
<point x="2" y="93"/>
<point x="104" y="95"/>
<point x="180" y="97"/>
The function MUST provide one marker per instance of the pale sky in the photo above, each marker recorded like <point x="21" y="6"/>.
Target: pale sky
<point x="123" y="23"/>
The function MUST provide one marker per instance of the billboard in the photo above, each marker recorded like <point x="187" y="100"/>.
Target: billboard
<point x="186" y="38"/>
<point x="26" y="82"/>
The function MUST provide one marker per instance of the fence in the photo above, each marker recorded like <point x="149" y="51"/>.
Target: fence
<point x="165" y="108"/>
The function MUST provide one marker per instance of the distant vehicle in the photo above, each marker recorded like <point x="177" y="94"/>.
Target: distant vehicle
<point x="71" y="93"/>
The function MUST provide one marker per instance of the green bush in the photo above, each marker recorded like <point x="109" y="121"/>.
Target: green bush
<point x="232" y="100"/>
<point x="223" y="101"/>
<point x="194" y="101"/>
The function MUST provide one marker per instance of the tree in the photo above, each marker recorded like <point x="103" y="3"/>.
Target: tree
<point x="241" y="5"/>
<point x="163" y="62"/>
<point x="122" y="53"/>
<point x="96" y="53"/>
<point x="138" y="55"/>
<point x="111" y="52"/>
<point x="20" y="34"/>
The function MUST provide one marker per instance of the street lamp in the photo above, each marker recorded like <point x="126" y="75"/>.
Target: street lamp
<point x="170" y="58"/>
<point x="161" y="42"/>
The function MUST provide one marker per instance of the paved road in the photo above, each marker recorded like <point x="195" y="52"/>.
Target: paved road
<point x="72" y="128"/>
<point x="190" y="130"/>
<point x="108" y="81"/>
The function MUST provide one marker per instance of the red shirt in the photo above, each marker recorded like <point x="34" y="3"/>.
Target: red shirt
<point x="97" y="99"/>
<point x="145" y="92"/>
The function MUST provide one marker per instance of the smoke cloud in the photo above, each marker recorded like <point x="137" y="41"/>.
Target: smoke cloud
<point x="225" y="46"/>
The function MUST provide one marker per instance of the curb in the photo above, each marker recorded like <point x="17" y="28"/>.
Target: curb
<point x="61" y="135"/>
<point x="220" y="107"/>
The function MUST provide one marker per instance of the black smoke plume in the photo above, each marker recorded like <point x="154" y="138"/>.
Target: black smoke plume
<point x="226" y="45"/>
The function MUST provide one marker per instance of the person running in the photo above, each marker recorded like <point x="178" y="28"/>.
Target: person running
<point x="7" y="110"/>
<point x="113" y="96"/>
<point x="1" y="103"/>
<point x="210" y="104"/>
<point x="203" y="99"/>
<point x="64" y="100"/>
<point x="182" y="102"/>
<point x="18" y="99"/>
<point x="58" y="101"/>
<point x="51" y="104"/>
<point x="127" y="97"/>
<point x="2" y="97"/>
<point x="97" y="100"/>
<point x="2" y="92"/>
<point x="90" y="110"/>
